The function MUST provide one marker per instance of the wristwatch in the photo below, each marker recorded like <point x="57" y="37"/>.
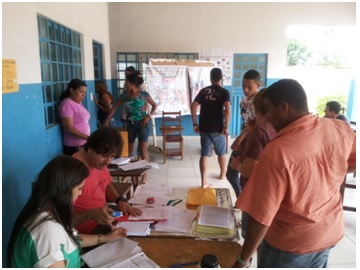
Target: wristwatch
<point x="195" y="124"/>
<point x="244" y="263"/>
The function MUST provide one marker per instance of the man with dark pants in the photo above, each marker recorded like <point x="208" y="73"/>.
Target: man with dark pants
<point x="292" y="196"/>
<point x="213" y="123"/>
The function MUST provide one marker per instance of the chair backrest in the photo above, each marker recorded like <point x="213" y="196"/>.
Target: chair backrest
<point x="172" y="119"/>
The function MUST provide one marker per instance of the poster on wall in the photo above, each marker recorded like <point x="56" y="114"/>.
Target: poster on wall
<point x="169" y="88"/>
<point x="9" y="77"/>
<point x="199" y="77"/>
<point x="223" y="60"/>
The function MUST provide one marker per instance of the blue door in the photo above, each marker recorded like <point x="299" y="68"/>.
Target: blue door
<point x="241" y="64"/>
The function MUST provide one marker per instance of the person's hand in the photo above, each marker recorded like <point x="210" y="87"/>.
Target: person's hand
<point x="115" y="234"/>
<point x="144" y="122"/>
<point x="127" y="209"/>
<point x="225" y="131"/>
<point x="196" y="129"/>
<point x="237" y="265"/>
<point x="234" y="163"/>
<point x="102" y="216"/>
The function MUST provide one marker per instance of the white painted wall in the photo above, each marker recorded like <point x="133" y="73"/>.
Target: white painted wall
<point x="237" y="27"/>
<point x="21" y="38"/>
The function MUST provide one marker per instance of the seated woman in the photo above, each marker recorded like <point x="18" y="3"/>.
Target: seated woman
<point x="42" y="235"/>
<point x="137" y="118"/>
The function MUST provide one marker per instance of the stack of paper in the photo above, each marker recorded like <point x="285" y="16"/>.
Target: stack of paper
<point x="142" y="164"/>
<point x="121" y="253"/>
<point x="120" y="161"/>
<point x="215" y="221"/>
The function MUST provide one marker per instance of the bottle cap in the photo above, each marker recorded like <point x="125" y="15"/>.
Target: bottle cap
<point x="209" y="261"/>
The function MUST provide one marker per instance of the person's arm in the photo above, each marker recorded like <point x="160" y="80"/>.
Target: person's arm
<point x="236" y="143"/>
<point x="59" y="264"/>
<point x="194" y="106"/>
<point x="88" y="240"/>
<point x="227" y="112"/>
<point x="151" y="113"/>
<point x="246" y="167"/>
<point x="111" y="113"/>
<point x="99" y="215"/>
<point x="254" y="235"/>
<point x="68" y="125"/>
<point x="124" y="207"/>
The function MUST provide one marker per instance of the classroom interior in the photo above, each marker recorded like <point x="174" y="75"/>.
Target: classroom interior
<point x="213" y="30"/>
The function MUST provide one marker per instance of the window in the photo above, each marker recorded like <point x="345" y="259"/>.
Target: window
<point x="137" y="60"/>
<point x="97" y="55"/>
<point x="60" y="58"/>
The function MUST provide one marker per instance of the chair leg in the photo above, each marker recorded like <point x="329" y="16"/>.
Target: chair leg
<point x="164" y="148"/>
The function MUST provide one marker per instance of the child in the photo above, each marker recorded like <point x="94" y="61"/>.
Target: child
<point x="250" y="85"/>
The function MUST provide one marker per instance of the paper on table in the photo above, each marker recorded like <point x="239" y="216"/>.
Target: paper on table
<point x="148" y="190"/>
<point x="120" y="161"/>
<point x="138" y="261"/>
<point x="141" y="199"/>
<point x="201" y="196"/>
<point x="181" y="222"/>
<point x="142" y="164"/>
<point x="156" y="213"/>
<point x="216" y="216"/>
<point x="135" y="228"/>
<point x="111" y="252"/>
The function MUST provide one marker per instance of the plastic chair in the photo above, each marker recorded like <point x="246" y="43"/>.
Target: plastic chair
<point x="171" y="128"/>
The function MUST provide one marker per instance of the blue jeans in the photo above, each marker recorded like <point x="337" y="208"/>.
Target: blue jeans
<point x="136" y="131"/>
<point x="209" y="139"/>
<point x="270" y="257"/>
<point x="233" y="176"/>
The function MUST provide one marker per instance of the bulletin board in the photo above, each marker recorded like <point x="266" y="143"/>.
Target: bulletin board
<point x="169" y="88"/>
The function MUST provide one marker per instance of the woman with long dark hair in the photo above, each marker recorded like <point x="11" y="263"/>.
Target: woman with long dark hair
<point x="43" y="235"/>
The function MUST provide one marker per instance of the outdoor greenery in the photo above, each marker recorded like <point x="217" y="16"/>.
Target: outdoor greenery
<point x="297" y="53"/>
<point x="342" y="99"/>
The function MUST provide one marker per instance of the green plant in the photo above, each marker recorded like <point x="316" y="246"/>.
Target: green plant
<point x="320" y="108"/>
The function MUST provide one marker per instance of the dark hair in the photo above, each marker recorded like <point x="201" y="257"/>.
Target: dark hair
<point x="290" y="91"/>
<point x="334" y="106"/>
<point x="74" y="84"/>
<point x="135" y="78"/>
<point x="216" y="74"/>
<point x="252" y="74"/>
<point x="105" y="140"/>
<point x="130" y="69"/>
<point x="102" y="89"/>
<point x="52" y="192"/>
<point x="259" y="103"/>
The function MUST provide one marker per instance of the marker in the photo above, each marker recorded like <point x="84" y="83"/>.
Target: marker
<point x="177" y="202"/>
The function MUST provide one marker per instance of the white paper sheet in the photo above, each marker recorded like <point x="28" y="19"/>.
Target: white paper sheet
<point x="151" y="191"/>
<point x="156" y="213"/>
<point x="216" y="216"/>
<point x="141" y="200"/>
<point x="111" y="252"/>
<point x="136" y="165"/>
<point x="181" y="221"/>
<point x="135" y="228"/>
<point x="120" y="161"/>
<point x="138" y="261"/>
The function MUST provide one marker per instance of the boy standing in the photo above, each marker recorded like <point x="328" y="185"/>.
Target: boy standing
<point x="250" y="85"/>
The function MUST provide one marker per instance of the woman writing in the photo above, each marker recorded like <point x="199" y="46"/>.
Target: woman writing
<point x="43" y="235"/>
<point x="74" y="117"/>
<point x="134" y="101"/>
<point x="104" y="103"/>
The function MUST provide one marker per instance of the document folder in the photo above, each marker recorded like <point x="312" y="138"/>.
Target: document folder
<point x="201" y="196"/>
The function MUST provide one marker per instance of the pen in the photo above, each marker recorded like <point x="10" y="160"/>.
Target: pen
<point x="183" y="264"/>
<point x="177" y="202"/>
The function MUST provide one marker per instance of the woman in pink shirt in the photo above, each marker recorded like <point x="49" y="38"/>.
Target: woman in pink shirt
<point x="74" y="117"/>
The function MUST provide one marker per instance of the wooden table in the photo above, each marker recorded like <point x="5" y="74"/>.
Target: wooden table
<point x="170" y="251"/>
<point x="123" y="189"/>
<point x="134" y="174"/>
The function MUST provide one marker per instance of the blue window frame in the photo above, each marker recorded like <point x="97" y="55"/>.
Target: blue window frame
<point x="60" y="58"/>
<point x="98" y="60"/>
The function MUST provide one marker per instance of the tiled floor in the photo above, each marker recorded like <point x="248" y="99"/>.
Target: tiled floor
<point x="186" y="173"/>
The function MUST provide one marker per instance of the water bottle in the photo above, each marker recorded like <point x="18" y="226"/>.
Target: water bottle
<point x="209" y="261"/>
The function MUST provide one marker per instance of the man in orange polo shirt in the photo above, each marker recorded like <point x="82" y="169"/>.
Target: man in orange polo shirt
<point x="292" y="195"/>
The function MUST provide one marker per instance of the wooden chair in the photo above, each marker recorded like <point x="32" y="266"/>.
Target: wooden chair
<point x="171" y="129"/>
